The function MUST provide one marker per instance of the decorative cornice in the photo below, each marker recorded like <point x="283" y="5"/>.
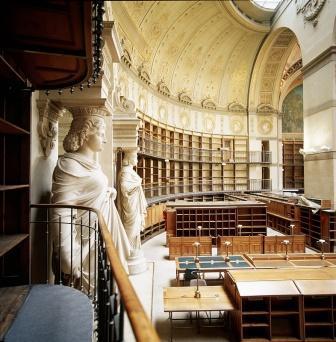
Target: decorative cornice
<point x="184" y="98"/>
<point x="163" y="89"/>
<point x="292" y="69"/>
<point x="266" y="109"/>
<point x="208" y="104"/>
<point x="318" y="62"/>
<point x="47" y="127"/>
<point x="126" y="56"/>
<point x="236" y="107"/>
<point x="143" y="74"/>
<point x="310" y="9"/>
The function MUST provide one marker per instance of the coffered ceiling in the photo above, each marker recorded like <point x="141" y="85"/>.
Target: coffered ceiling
<point x="206" y="50"/>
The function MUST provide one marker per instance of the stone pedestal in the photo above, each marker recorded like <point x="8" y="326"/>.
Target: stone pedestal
<point x="136" y="263"/>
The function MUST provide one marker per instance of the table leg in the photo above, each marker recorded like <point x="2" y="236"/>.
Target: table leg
<point x="171" y="325"/>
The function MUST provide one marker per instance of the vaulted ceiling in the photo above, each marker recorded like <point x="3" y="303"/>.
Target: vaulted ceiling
<point x="206" y="50"/>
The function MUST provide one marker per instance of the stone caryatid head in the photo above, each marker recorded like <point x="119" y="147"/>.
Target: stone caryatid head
<point x="130" y="158"/>
<point x="82" y="127"/>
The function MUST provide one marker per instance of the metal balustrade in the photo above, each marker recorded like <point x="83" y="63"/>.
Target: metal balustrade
<point x="79" y="251"/>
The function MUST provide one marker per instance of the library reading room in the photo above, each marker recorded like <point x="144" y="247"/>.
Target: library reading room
<point x="168" y="171"/>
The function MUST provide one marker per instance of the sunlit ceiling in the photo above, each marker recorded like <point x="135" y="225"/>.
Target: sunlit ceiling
<point x="203" y="49"/>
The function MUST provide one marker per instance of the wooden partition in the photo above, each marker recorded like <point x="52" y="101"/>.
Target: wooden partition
<point x="183" y="246"/>
<point x="260" y="244"/>
<point x="240" y="244"/>
<point x="274" y="244"/>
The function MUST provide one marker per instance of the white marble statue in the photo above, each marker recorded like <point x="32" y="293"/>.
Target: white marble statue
<point x="132" y="203"/>
<point x="79" y="180"/>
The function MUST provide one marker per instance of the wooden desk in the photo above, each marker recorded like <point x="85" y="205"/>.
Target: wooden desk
<point x="208" y="264"/>
<point x="181" y="299"/>
<point x="282" y="274"/>
<point x="268" y="310"/>
<point x="294" y="260"/>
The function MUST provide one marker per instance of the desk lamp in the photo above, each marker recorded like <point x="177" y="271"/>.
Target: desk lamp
<point x="291" y="228"/>
<point x="286" y="243"/>
<point x="196" y="245"/>
<point x="227" y="244"/>
<point x="322" y="242"/>
<point x="239" y="227"/>
<point x="199" y="230"/>
<point x="197" y="292"/>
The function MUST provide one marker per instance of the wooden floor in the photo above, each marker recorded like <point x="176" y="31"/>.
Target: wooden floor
<point x="11" y="300"/>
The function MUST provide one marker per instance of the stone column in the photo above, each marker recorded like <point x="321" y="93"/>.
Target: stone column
<point x="319" y="110"/>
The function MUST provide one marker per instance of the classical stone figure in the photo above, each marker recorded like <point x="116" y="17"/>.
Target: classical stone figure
<point x="79" y="180"/>
<point x="132" y="203"/>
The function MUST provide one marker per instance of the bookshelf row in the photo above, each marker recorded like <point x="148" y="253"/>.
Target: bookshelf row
<point x="172" y="161"/>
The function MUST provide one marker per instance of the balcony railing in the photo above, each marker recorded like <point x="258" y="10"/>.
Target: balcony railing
<point x="84" y="257"/>
<point x="161" y="150"/>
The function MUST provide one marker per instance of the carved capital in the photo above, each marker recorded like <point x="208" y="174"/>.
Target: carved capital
<point x="82" y="111"/>
<point x="49" y="114"/>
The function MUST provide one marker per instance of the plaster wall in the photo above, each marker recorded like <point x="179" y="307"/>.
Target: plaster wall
<point x="312" y="39"/>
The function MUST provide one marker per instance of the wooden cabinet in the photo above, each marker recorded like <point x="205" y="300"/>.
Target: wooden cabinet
<point x="14" y="185"/>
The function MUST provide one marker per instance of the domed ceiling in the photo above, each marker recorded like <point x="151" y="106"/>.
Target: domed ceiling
<point x="201" y="50"/>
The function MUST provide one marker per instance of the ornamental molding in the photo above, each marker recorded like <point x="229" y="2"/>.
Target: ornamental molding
<point x="236" y="125"/>
<point x="292" y="69"/>
<point x="143" y="74"/>
<point x="265" y="125"/>
<point x="310" y="9"/>
<point x="49" y="114"/>
<point x="184" y="98"/>
<point x="236" y="107"/>
<point x="121" y="103"/>
<point x="266" y="109"/>
<point x="208" y="104"/>
<point x="163" y="89"/>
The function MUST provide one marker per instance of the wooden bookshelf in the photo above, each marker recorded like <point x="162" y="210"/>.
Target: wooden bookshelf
<point x="293" y="177"/>
<point x="215" y="218"/>
<point x="14" y="182"/>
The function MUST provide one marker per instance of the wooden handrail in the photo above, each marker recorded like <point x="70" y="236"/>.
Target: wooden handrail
<point x="142" y="327"/>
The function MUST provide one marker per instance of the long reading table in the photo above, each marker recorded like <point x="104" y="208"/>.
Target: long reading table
<point x="209" y="264"/>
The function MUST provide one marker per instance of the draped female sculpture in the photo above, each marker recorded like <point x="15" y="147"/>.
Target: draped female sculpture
<point x="131" y="201"/>
<point x="79" y="180"/>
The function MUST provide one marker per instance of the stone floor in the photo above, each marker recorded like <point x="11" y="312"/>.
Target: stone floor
<point x="149" y="287"/>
